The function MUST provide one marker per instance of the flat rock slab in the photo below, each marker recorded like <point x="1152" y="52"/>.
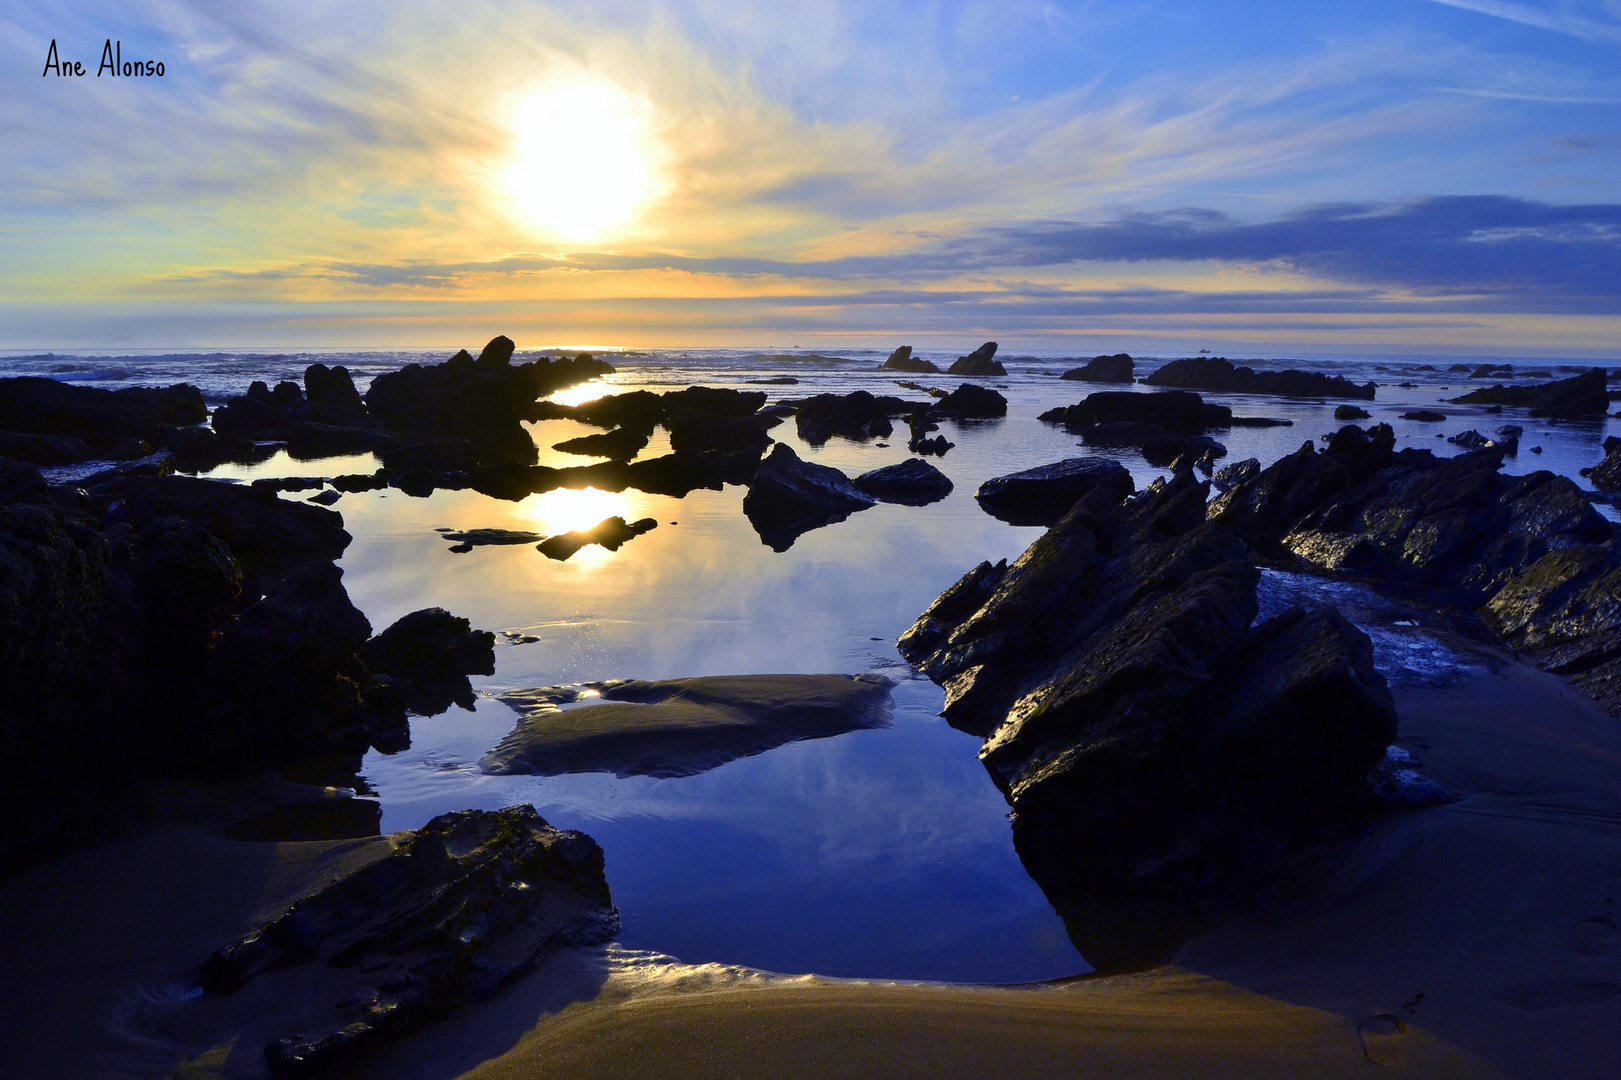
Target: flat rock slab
<point x="681" y="727"/>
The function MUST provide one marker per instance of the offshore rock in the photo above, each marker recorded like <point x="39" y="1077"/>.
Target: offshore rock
<point x="903" y="360"/>
<point x="1219" y="373"/>
<point x="1583" y="395"/>
<point x="980" y="363"/>
<point x="1044" y="494"/>
<point x="789" y="497"/>
<point x="1118" y="368"/>
<point x="913" y="482"/>
<point x="1181" y="412"/>
<point x="461" y="908"/>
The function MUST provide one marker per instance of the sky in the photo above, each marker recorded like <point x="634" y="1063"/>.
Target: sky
<point x="1425" y="176"/>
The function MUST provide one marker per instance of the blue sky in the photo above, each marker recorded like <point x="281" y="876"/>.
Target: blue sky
<point x="1426" y="175"/>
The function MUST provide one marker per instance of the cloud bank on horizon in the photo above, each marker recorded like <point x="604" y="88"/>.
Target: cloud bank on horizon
<point x="1441" y="174"/>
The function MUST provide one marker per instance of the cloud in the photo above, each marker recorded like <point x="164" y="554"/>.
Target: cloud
<point x="1600" y="26"/>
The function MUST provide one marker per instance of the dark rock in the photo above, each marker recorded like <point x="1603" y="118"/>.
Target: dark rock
<point x="1487" y="371"/>
<point x="1159" y="447"/>
<point x="497" y="352"/>
<point x="970" y="402"/>
<point x="1219" y="373"/>
<point x="903" y="360"/>
<point x="429" y="655"/>
<point x="262" y="531"/>
<point x="331" y="386"/>
<point x="978" y="364"/>
<point x="1427" y="416"/>
<point x="361" y="481"/>
<point x="779" y="380"/>
<point x="1606" y="475"/>
<point x="325" y="498"/>
<point x="437" y="455"/>
<point x="1044" y="494"/>
<point x="1178" y="411"/>
<point x="471" y="538"/>
<point x="198" y="448"/>
<point x="620" y="444"/>
<point x="484" y="402"/>
<point x="1474" y="440"/>
<point x="856" y="416"/>
<point x="128" y="450"/>
<point x="150" y="467"/>
<point x="789" y="497"/>
<point x="639" y="410"/>
<point x="1236" y="473"/>
<point x="1350" y="412"/>
<point x="681" y="727"/>
<point x="99" y="418"/>
<point x="1583" y="395"/>
<point x="735" y="443"/>
<point x="307" y="440"/>
<point x="932" y="391"/>
<point x="1118" y="368"/>
<point x="710" y="401"/>
<point x="43" y="449"/>
<point x="1152" y="744"/>
<point x="21" y="482"/>
<point x="609" y="533"/>
<point x="913" y="482"/>
<point x="459" y="909"/>
<point x="937" y="446"/>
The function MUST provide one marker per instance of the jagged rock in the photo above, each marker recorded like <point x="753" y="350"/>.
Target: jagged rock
<point x="1042" y="495"/>
<point x="1350" y="412"/>
<point x="1236" y="473"/>
<point x="1178" y="411"/>
<point x="429" y="655"/>
<point x="99" y="418"/>
<point x="980" y="363"/>
<point x="21" y="482"/>
<point x="262" y="531"/>
<point x="789" y="497"/>
<point x="1118" y="368"/>
<point x="43" y="449"/>
<point x="1606" y="475"/>
<point x="1583" y="395"/>
<point x="1152" y="744"/>
<point x="461" y="398"/>
<point x="1159" y="447"/>
<point x="970" y="402"/>
<point x="461" y="908"/>
<point x="903" y="360"/>
<point x="331" y="386"/>
<point x="1219" y="373"/>
<point x="620" y="444"/>
<point x="913" y="482"/>
<point x="681" y="727"/>
<point x="1474" y="440"/>
<point x="610" y="533"/>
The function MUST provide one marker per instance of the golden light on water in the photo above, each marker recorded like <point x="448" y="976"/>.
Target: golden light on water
<point x="585" y="161"/>
<point x="567" y="509"/>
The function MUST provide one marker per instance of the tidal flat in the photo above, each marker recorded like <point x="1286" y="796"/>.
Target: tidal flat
<point x="851" y="899"/>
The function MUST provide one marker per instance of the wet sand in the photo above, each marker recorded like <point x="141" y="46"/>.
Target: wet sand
<point x="1475" y="939"/>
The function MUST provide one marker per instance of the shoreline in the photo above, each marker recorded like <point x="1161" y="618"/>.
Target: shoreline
<point x="1493" y="908"/>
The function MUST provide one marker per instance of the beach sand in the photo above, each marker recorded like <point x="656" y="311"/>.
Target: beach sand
<point x="1473" y="939"/>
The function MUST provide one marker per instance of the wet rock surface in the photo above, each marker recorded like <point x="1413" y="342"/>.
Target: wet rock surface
<point x="789" y="497"/>
<point x="1583" y="395"/>
<point x="1044" y="494"/>
<point x="1219" y="373"/>
<point x="461" y="908"/>
<point x="980" y="363"/>
<point x="913" y="482"/>
<point x="1119" y="368"/>
<point x="681" y="727"/>
<point x="1154" y="746"/>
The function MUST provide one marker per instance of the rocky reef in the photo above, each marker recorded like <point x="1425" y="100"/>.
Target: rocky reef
<point x="1580" y="396"/>
<point x="1219" y="373"/>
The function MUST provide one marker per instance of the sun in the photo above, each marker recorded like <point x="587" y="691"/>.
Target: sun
<point x="584" y="160"/>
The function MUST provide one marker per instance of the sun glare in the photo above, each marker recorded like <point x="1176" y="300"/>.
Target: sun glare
<point x="584" y="161"/>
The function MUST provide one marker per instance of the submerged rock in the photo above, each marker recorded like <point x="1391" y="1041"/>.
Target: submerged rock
<point x="461" y="908"/>
<point x="789" y="497"/>
<point x="903" y="360"/>
<point x="978" y="364"/>
<point x="1583" y="395"/>
<point x="681" y="727"/>
<point x="1042" y="495"/>
<point x="913" y="482"/>
<point x="1219" y="373"/>
<point x="1118" y="368"/>
<point x="610" y="533"/>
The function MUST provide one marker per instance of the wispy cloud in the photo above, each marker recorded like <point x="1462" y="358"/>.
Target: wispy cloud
<point x="1594" y="27"/>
